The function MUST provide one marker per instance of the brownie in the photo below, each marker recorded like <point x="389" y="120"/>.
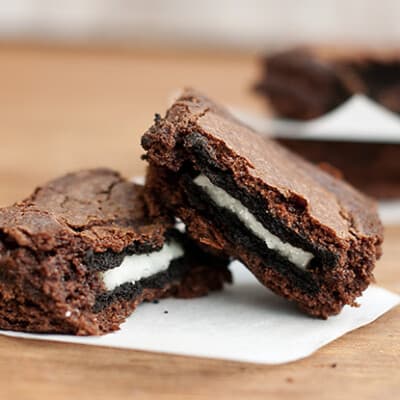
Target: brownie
<point x="81" y="253"/>
<point x="305" y="234"/>
<point x="307" y="82"/>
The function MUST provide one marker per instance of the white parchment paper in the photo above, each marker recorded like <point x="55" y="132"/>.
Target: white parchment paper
<point x="245" y="322"/>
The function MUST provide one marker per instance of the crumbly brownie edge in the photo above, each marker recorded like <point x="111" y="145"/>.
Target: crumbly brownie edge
<point x="46" y="293"/>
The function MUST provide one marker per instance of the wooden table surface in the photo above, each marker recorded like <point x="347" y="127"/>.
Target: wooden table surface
<point x="64" y="109"/>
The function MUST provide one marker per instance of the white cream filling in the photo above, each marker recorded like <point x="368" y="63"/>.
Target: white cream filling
<point x="297" y="256"/>
<point x="139" y="266"/>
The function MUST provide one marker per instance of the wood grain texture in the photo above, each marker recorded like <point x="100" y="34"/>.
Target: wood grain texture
<point x="63" y="109"/>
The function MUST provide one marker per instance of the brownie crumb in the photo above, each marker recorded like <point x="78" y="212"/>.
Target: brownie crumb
<point x="165" y="311"/>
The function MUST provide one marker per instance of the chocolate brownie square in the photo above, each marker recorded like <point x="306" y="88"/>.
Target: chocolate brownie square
<point x="81" y="253"/>
<point x="303" y="233"/>
<point x="307" y="82"/>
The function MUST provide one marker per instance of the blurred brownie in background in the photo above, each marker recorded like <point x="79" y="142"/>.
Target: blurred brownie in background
<point x="307" y="82"/>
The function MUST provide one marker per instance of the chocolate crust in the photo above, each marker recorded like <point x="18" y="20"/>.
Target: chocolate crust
<point x="312" y="205"/>
<point x="307" y="82"/>
<point x="53" y="245"/>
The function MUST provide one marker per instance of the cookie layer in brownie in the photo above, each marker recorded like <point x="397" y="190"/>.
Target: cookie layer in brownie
<point x="303" y="233"/>
<point x="81" y="253"/>
<point x="307" y="82"/>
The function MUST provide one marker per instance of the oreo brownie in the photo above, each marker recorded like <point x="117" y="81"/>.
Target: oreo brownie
<point x="80" y="254"/>
<point x="306" y="82"/>
<point x="305" y="234"/>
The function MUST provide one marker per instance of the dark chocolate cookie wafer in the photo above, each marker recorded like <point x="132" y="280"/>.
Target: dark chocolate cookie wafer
<point x="81" y="253"/>
<point x="303" y="233"/>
